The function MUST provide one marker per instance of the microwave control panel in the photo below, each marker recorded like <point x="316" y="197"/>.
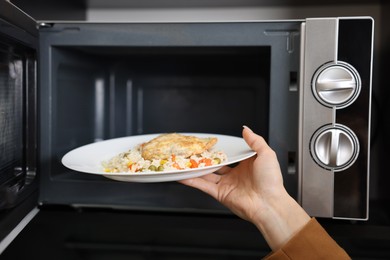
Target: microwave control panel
<point x="335" y="94"/>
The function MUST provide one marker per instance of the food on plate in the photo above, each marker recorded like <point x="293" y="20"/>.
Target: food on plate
<point x="163" y="146"/>
<point x="167" y="152"/>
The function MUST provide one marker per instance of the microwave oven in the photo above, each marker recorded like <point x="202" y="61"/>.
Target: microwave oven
<point x="305" y="85"/>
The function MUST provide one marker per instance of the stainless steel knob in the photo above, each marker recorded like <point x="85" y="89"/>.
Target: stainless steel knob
<point x="335" y="147"/>
<point x="336" y="84"/>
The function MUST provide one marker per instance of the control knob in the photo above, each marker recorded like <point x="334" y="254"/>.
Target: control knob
<point x="336" y="84"/>
<point x="335" y="147"/>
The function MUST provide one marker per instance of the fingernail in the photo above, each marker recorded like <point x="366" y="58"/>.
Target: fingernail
<point x="246" y="127"/>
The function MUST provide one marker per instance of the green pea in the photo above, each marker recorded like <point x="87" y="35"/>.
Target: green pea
<point x="160" y="168"/>
<point x="152" y="168"/>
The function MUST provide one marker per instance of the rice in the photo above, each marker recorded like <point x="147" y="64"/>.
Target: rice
<point x="132" y="161"/>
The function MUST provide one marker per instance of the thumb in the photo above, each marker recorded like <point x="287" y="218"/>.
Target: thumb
<point x="255" y="142"/>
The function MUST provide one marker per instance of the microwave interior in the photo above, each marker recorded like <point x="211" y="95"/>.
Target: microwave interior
<point x="98" y="89"/>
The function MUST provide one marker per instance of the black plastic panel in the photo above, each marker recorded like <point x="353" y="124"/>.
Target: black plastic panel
<point x="351" y="185"/>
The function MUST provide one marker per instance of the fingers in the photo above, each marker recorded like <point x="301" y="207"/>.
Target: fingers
<point x="207" y="183"/>
<point x="223" y="170"/>
<point x="214" y="178"/>
<point x="202" y="184"/>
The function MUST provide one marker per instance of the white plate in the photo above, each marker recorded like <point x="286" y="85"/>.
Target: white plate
<point x="88" y="158"/>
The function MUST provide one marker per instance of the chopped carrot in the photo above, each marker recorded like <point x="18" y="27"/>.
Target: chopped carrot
<point x="206" y="161"/>
<point x="194" y="164"/>
<point x="177" y="166"/>
<point x="133" y="167"/>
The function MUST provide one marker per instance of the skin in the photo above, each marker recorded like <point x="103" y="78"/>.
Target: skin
<point x="254" y="191"/>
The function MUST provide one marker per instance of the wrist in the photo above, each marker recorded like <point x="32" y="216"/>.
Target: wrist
<point x="280" y="219"/>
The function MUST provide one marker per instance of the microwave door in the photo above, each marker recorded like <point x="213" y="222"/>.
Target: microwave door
<point x="18" y="64"/>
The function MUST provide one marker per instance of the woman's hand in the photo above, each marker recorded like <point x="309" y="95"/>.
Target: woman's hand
<point x="254" y="191"/>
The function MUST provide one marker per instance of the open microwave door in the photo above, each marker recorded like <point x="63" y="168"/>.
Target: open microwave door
<point x="18" y="87"/>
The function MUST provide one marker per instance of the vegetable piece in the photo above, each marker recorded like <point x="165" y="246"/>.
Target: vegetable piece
<point x="162" y="162"/>
<point x="217" y="161"/>
<point x="206" y="161"/>
<point x="177" y="166"/>
<point x="152" y="168"/>
<point x="193" y="163"/>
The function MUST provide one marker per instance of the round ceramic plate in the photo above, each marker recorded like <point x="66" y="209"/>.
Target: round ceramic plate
<point x="89" y="158"/>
